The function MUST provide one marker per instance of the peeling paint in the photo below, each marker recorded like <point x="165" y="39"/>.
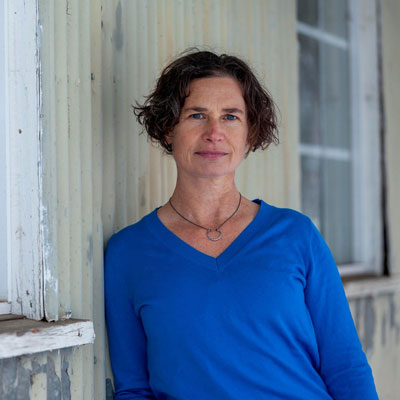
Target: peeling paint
<point x="24" y="383"/>
<point x="392" y="318"/>
<point x="53" y="381"/>
<point x="23" y="377"/>
<point x="15" y="379"/>
<point x="369" y="326"/>
<point x="8" y="374"/>
<point x="50" y="281"/>
<point x="65" y="379"/>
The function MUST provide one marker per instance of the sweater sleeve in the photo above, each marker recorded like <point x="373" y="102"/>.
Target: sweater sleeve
<point x="343" y="364"/>
<point x="126" y="338"/>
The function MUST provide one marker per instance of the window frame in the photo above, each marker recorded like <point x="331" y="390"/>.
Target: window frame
<point x="4" y="302"/>
<point x="366" y="146"/>
<point x="24" y="213"/>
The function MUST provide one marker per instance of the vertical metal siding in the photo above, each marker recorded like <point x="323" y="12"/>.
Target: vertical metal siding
<point x="71" y="177"/>
<point x="98" y="58"/>
<point x="139" y="38"/>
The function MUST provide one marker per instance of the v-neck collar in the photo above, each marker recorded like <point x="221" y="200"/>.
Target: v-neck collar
<point x="179" y="246"/>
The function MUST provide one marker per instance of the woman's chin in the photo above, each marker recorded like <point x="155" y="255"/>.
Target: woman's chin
<point x="213" y="173"/>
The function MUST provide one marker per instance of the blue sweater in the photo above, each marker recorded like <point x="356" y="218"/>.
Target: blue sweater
<point x="267" y="319"/>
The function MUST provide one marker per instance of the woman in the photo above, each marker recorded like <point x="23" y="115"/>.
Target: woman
<point x="214" y="296"/>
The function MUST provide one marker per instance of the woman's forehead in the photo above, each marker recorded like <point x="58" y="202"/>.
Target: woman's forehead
<point x="215" y="89"/>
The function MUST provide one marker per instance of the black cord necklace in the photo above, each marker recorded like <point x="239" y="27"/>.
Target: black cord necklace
<point x="209" y="229"/>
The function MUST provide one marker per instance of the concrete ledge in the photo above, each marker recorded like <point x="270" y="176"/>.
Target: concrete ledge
<point x="371" y="286"/>
<point x="26" y="336"/>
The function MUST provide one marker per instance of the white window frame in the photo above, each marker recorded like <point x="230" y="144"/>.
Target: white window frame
<point x="4" y="275"/>
<point x="25" y="288"/>
<point x="366" y="148"/>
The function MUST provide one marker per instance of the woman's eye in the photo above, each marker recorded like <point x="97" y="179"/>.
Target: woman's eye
<point x="197" y="116"/>
<point x="230" y="117"/>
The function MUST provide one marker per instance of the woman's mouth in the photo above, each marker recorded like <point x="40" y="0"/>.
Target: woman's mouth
<point x="211" y="155"/>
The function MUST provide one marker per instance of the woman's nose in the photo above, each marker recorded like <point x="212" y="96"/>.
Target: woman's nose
<point x="214" y="131"/>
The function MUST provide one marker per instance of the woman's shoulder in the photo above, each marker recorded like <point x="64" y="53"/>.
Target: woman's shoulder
<point x="285" y="216"/>
<point x="132" y="234"/>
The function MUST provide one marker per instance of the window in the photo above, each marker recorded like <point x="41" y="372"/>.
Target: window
<point x="339" y="128"/>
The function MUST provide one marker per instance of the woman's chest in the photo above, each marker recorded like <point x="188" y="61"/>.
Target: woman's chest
<point x="187" y="301"/>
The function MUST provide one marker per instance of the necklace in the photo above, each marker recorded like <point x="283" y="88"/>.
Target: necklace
<point x="209" y="229"/>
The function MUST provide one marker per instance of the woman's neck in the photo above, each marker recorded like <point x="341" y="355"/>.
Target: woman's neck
<point x="205" y="200"/>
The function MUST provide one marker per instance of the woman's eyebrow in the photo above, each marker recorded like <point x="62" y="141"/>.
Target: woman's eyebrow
<point x="232" y="110"/>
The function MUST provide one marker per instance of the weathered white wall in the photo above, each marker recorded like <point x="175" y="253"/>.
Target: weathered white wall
<point x="99" y="174"/>
<point x="71" y="149"/>
<point x="377" y="321"/>
<point x="41" y="376"/>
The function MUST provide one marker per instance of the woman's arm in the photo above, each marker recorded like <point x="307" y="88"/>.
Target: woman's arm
<point x="126" y="338"/>
<point x="343" y="364"/>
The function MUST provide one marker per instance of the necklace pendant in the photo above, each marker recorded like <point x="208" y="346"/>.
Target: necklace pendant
<point x="216" y="238"/>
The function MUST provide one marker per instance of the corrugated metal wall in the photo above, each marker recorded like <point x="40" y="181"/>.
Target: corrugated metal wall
<point x="71" y="149"/>
<point x="97" y="58"/>
<point x="139" y="37"/>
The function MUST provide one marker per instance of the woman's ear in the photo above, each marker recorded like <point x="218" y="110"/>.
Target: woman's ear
<point x="168" y="137"/>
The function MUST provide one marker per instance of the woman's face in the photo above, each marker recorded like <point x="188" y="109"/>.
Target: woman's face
<point x="210" y="139"/>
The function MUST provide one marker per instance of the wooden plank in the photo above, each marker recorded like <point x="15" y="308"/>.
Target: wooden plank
<point x="8" y="317"/>
<point x="24" y="207"/>
<point x="26" y="336"/>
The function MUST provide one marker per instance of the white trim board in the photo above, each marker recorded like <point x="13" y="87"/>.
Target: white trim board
<point x="26" y="336"/>
<point x="23" y="154"/>
<point x="4" y="292"/>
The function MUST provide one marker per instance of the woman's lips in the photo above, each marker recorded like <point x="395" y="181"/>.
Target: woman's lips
<point x="211" y="155"/>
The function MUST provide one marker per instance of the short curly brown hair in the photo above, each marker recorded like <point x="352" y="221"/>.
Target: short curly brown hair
<point x="161" y="110"/>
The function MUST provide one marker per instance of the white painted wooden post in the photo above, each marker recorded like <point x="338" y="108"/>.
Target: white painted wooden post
<point x="24" y="159"/>
<point x="3" y="154"/>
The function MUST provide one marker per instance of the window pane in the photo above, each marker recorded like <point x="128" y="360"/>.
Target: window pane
<point x="309" y="90"/>
<point x="327" y="199"/>
<point x="335" y="96"/>
<point x="311" y="188"/>
<point x="329" y="15"/>
<point x="336" y="208"/>
<point x="334" y="17"/>
<point x="325" y="94"/>
<point x="307" y="12"/>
